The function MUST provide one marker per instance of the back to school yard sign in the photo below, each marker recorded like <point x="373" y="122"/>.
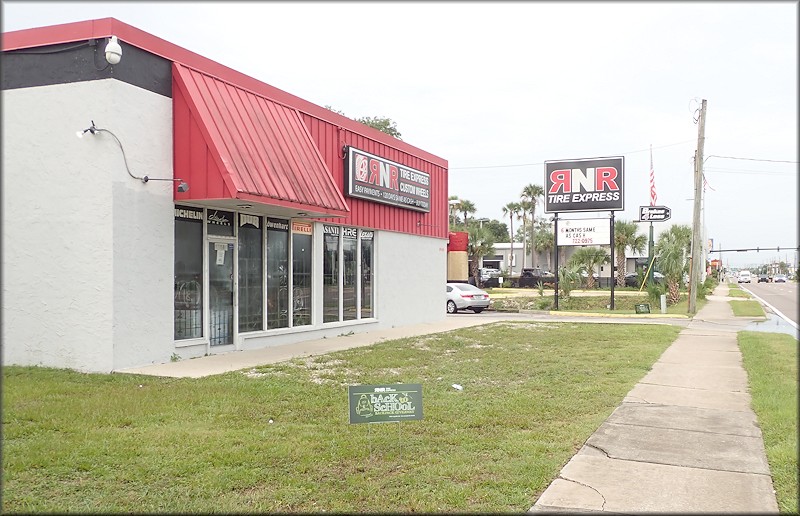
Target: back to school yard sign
<point x="382" y="403"/>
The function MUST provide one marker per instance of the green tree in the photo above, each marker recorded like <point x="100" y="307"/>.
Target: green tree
<point x="497" y="229"/>
<point x="587" y="259"/>
<point x="626" y="237"/>
<point x="453" y="209"/>
<point x="532" y="194"/>
<point x="466" y="207"/>
<point x="511" y="210"/>
<point x="480" y="244"/>
<point x="524" y="208"/>
<point x="381" y="123"/>
<point x="545" y="241"/>
<point x="672" y="250"/>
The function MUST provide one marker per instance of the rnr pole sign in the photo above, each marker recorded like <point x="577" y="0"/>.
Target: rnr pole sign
<point x="592" y="184"/>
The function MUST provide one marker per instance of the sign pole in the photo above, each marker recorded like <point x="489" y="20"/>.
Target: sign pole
<point x="613" y="266"/>
<point x="555" y="246"/>
<point x="650" y="256"/>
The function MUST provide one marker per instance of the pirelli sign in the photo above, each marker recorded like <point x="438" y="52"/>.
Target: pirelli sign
<point x="594" y="184"/>
<point x="376" y="179"/>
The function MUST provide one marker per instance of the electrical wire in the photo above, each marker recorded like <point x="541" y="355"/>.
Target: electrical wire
<point x="56" y="51"/>
<point x="124" y="158"/>
<point x="750" y="159"/>
<point x="143" y="179"/>
<point x="542" y="162"/>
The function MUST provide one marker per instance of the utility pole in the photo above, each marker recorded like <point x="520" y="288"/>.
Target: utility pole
<point x="697" y="232"/>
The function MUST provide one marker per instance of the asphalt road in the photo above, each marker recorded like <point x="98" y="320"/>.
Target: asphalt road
<point x="782" y="297"/>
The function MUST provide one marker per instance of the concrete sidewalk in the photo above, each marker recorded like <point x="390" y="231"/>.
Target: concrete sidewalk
<point x="684" y="439"/>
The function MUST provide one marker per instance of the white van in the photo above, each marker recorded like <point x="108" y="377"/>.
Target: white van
<point x="744" y="277"/>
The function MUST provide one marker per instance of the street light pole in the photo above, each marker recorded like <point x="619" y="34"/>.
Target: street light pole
<point x="696" y="250"/>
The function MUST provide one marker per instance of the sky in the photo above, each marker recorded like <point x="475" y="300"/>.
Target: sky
<point x="496" y="89"/>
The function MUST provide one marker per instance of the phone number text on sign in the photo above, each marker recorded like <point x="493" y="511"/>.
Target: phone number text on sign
<point x="584" y="232"/>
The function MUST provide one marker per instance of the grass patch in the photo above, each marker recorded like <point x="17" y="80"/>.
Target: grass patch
<point x="771" y="363"/>
<point x="749" y="308"/>
<point x="533" y="393"/>
<point x="738" y="293"/>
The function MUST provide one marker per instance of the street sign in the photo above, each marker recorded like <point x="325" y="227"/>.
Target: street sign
<point x="654" y="213"/>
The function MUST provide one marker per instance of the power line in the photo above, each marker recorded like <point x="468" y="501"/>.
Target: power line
<point x="750" y="159"/>
<point x="748" y="172"/>
<point x="542" y="162"/>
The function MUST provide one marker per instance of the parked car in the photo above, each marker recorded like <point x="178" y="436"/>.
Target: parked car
<point x="530" y="278"/>
<point x="744" y="277"/>
<point x="632" y="279"/>
<point x="779" y="278"/>
<point x="463" y="296"/>
<point x="763" y="278"/>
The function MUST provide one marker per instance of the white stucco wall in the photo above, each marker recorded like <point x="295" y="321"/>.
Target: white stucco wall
<point x="87" y="250"/>
<point x="411" y="277"/>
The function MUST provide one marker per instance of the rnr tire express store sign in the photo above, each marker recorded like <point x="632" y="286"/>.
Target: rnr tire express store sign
<point x="377" y="179"/>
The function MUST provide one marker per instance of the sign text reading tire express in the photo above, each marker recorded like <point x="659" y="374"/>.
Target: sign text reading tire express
<point x="377" y="179"/>
<point x="382" y="403"/>
<point x="594" y="184"/>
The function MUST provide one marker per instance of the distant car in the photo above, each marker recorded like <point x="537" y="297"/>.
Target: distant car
<point x="744" y="277"/>
<point x="763" y="278"/>
<point x="463" y="296"/>
<point x="779" y="278"/>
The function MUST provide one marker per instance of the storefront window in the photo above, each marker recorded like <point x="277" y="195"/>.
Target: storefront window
<point x="330" y="275"/>
<point x="301" y="273"/>
<point x="188" y="305"/>
<point x="277" y="273"/>
<point x="350" y="263"/>
<point x="366" y="274"/>
<point x="251" y="266"/>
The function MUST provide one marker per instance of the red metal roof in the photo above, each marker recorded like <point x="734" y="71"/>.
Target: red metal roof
<point x="218" y="158"/>
<point x="261" y="148"/>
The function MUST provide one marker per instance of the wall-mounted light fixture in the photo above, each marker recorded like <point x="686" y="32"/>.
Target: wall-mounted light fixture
<point x="302" y="214"/>
<point x="113" y="51"/>
<point x="183" y="186"/>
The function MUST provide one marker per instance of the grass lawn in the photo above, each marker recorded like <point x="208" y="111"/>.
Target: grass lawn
<point x="532" y="394"/>
<point x="737" y="292"/>
<point x="771" y="363"/>
<point x="750" y="308"/>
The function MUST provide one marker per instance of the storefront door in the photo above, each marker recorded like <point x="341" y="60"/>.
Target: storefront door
<point x="221" y="291"/>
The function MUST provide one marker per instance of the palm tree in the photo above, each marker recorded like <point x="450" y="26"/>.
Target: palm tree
<point x="545" y="241"/>
<point x="524" y="207"/>
<point x="512" y="210"/>
<point x="625" y="238"/>
<point x="466" y="207"/>
<point x="588" y="258"/>
<point x="532" y="193"/>
<point x="671" y="259"/>
<point x="480" y="244"/>
<point x="452" y="206"/>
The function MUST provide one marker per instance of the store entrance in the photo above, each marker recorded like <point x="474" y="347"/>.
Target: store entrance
<point x="221" y="291"/>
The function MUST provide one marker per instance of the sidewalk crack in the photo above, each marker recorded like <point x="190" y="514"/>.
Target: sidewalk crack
<point x="599" y="449"/>
<point x="602" y="507"/>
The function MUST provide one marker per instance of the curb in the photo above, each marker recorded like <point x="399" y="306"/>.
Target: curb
<point x="619" y="316"/>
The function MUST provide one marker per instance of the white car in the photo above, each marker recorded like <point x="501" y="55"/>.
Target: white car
<point x="744" y="277"/>
<point x="461" y="296"/>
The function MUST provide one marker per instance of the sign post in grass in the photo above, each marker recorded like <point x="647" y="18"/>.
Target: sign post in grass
<point x="384" y="404"/>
